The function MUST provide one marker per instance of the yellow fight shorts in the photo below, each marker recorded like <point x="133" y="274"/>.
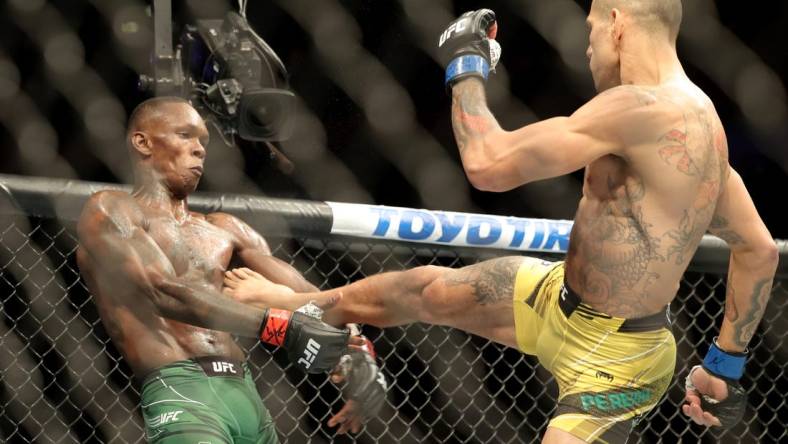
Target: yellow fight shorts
<point x="610" y="371"/>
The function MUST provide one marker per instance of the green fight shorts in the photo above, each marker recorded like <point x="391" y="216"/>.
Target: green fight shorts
<point x="205" y="400"/>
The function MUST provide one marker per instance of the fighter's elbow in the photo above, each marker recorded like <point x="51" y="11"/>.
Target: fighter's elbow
<point x="484" y="174"/>
<point x="481" y="179"/>
<point x="492" y="179"/>
<point x="163" y="292"/>
<point x="155" y="288"/>
<point x="770" y="252"/>
<point x="762" y="253"/>
<point x="173" y="301"/>
<point x="488" y="164"/>
<point x="145" y="280"/>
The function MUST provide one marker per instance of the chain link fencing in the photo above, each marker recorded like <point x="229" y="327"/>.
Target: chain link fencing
<point x="64" y="381"/>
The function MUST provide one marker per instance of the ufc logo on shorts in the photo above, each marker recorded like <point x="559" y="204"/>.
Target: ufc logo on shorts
<point x="164" y="418"/>
<point x="310" y="352"/>
<point x="223" y="367"/>
<point x="453" y="28"/>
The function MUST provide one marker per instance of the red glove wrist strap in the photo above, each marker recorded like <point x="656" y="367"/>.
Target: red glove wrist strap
<point x="274" y="329"/>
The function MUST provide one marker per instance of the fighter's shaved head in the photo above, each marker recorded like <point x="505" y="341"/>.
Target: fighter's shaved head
<point x="148" y="109"/>
<point x="653" y="15"/>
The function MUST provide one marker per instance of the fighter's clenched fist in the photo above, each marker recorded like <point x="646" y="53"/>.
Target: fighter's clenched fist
<point x="467" y="47"/>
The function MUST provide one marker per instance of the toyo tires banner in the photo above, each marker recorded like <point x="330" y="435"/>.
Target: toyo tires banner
<point x="450" y="228"/>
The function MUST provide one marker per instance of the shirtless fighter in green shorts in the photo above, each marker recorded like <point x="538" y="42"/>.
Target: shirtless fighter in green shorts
<point x="155" y="270"/>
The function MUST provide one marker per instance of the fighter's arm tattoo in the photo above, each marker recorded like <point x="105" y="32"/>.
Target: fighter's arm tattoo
<point x="731" y="310"/>
<point x="744" y="327"/>
<point x="490" y="281"/>
<point x="719" y="227"/>
<point x="753" y="262"/>
<point x="471" y="119"/>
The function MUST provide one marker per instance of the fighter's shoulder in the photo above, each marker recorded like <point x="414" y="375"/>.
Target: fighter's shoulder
<point x="110" y="203"/>
<point x="632" y="97"/>
<point x="633" y="113"/>
<point x="109" y="208"/>
<point x="235" y="226"/>
<point x="671" y="98"/>
<point x="222" y="220"/>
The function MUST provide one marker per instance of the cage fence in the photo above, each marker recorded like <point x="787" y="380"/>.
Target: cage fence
<point x="62" y="379"/>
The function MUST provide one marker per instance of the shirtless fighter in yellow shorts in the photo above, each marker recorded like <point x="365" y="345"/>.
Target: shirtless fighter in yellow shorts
<point x="657" y="178"/>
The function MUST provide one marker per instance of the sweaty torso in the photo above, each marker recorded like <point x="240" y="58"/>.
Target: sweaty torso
<point x="198" y="250"/>
<point x="644" y="213"/>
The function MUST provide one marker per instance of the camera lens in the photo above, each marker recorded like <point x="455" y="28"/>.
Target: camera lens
<point x="265" y="114"/>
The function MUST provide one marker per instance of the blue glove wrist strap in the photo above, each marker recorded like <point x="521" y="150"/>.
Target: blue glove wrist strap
<point x="465" y="64"/>
<point x="725" y="364"/>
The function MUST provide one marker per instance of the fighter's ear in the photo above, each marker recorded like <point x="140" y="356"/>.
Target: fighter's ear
<point x="616" y="25"/>
<point x="141" y="143"/>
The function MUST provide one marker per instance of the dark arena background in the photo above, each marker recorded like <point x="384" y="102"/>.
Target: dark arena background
<point x="371" y="125"/>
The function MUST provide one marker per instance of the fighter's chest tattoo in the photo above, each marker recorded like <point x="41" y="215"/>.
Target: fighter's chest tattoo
<point x="197" y="245"/>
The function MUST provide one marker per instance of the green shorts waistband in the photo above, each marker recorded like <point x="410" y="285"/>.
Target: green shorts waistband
<point x="208" y="366"/>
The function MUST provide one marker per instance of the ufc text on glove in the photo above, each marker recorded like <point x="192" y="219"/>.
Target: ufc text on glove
<point x="467" y="47"/>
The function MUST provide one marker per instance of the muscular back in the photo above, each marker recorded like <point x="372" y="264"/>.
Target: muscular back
<point x="196" y="250"/>
<point x="645" y="210"/>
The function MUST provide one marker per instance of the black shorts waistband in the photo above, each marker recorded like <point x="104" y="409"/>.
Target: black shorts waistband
<point x="209" y="365"/>
<point x="570" y="302"/>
